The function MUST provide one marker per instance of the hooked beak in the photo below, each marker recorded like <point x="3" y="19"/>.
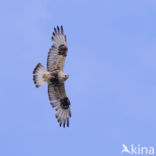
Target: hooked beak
<point x="66" y="76"/>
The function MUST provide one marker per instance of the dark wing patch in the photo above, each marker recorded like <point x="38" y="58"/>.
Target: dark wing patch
<point x="58" y="52"/>
<point x="60" y="101"/>
<point x="62" y="50"/>
<point x="65" y="103"/>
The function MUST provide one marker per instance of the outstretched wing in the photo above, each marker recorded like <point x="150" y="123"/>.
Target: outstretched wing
<point x="60" y="101"/>
<point x="58" y="52"/>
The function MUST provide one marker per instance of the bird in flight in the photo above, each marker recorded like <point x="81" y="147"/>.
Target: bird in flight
<point x="55" y="77"/>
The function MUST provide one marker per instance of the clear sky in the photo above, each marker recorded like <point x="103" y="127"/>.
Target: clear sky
<point x="112" y="85"/>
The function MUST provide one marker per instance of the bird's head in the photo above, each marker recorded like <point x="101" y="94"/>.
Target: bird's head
<point x="66" y="76"/>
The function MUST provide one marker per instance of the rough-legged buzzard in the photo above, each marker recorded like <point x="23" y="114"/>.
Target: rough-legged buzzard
<point x="55" y="76"/>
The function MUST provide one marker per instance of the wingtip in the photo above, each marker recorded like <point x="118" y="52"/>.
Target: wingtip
<point x="58" y="28"/>
<point x="62" y="31"/>
<point x="67" y="122"/>
<point x="55" y="30"/>
<point x="63" y="123"/>
<point x="70" y="114"/>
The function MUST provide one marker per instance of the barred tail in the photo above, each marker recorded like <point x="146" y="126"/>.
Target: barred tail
<point x="38" y="75"/>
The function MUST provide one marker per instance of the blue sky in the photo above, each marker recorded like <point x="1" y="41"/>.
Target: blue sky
<point x="112" y="83"/>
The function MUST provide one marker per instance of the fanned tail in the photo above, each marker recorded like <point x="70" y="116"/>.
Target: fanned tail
<point x="39" y="74"/>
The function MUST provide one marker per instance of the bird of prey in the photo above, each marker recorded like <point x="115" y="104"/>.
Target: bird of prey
<point x="55" y="77"/>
